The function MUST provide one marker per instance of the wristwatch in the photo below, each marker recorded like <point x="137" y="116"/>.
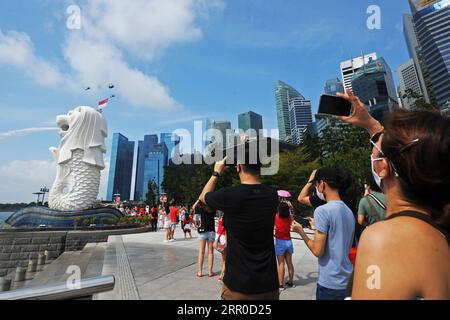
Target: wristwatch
<point x="216" y="174"/>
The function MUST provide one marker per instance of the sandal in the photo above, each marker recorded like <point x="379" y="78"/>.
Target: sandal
<point x="198" y="275"/>
<point x="290" y="284"/>
<point x="212" y="275"/>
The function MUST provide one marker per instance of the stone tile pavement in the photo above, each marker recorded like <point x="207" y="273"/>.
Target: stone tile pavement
<point x="146" y="268"/>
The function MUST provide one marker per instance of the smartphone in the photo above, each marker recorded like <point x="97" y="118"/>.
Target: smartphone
<point x="304" y="222"/>
<point x="335" y="106"/>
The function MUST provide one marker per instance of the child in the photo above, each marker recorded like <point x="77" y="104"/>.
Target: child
<point x="283" y="243"/>
<point x="220" y="244"/>
<point x="187" y="224"/>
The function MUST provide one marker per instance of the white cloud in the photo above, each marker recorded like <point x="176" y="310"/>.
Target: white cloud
<point x="17" y="50"/>
<point x="144" y="28"/>
<point x="112" y="30"/>
<point x="184" y="119"/>
<point x="95" y="62"/>
<point x="21" y="178"/>
<point x="22" y="132"/>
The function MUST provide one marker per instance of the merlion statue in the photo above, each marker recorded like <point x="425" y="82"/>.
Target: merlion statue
<point x="79" y="159"/>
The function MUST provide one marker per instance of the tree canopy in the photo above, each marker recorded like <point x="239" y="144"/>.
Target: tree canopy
<point x="338" y="145"/>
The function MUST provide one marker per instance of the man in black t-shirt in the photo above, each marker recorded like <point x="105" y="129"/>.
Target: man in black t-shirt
<point x="249" y="216"/>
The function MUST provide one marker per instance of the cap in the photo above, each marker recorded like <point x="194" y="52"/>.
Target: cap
<point x="284" y="194"/>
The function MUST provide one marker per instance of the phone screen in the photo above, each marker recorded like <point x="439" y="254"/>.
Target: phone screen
<point x="304" y="222"/>
<point x="334" y="106"/>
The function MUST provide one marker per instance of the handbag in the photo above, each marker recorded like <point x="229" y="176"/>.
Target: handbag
<point x="221" y="243"/>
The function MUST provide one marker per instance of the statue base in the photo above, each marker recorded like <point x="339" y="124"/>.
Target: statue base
<point x="36" y="217"/>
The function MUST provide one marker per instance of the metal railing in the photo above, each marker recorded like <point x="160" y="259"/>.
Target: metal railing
<point x="63" y="291"/>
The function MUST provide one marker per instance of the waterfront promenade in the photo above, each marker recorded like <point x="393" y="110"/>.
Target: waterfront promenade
<point x="146" y="268"/>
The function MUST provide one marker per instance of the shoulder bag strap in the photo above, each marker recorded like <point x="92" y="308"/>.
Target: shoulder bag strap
<point x="372" y="212"/>
<point x="381" y="204"/>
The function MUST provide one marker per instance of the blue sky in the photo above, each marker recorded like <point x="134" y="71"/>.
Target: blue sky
<point x="187" y="59"/>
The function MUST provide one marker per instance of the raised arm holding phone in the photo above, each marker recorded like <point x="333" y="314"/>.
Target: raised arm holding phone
<point x="410" y="250"/>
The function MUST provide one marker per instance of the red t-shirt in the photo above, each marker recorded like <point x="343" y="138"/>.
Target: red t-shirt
<point x="186" y="221"/>
<point x="283" y="228"/>
<point x="220" y="228"/>
<point x="173" y="214"/>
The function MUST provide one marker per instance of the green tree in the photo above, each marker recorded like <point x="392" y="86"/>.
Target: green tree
<point x="185" y="182"/>
<point x="419" y="102"/>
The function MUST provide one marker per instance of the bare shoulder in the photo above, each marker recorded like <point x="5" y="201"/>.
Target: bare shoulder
<point x="404" y="232"/>
<point x="409" y="245"/>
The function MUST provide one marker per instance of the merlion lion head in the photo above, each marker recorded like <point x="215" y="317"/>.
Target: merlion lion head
<point x="83" y="128"/>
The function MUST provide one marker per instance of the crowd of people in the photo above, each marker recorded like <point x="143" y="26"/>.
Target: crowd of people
<point x="392" y="244"/>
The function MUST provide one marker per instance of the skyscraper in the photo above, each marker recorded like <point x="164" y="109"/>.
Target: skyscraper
<point x="374" y="85"/>
<point x="350" y="67"/>
<point x="300" y="116"/>
<point x="171" y="140"/>
<point x="333" y="86"/>
<point x="413" y="48"/>
<point x="143" y="149"/>
<point x="432" y="26"/>
<point x="284" y="93"/>
<point x="121" y="168"/>
<point x="154" y="163"/>
<point x="224" y="127"/>
<point x="250" y="120"/>
<point x="408" y="79"/>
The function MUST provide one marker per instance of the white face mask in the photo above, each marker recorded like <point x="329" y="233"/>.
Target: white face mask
<point x="375" y="175"/>
<point x="320" y="195"/>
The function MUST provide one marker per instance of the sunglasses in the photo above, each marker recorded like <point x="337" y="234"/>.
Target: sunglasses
<point x="374" y="140"/>
<point x="376" y="137"/>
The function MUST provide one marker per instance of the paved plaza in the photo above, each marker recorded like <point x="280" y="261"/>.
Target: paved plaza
<point x="146" y="268"/>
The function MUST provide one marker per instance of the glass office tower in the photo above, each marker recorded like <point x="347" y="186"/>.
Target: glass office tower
<point x="333" y="86"/>
<point x="143" y="149"/>
<point x="171" y="140"/>
<point x="284" y="93"/>
<point x="121" y="168"/>
<point x="432" y="27"/>
<point x="250" y="120"/>
<point x="300" y="116"/>
<point x="374" y="85"/>
<point x="154" y="164"/>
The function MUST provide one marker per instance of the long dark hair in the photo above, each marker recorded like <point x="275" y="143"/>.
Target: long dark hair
<point x="283" y="210"/>
<point x="418" y="145"/>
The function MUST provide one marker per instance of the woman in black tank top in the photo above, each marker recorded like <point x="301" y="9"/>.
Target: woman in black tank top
<point x="408" y="255"/>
